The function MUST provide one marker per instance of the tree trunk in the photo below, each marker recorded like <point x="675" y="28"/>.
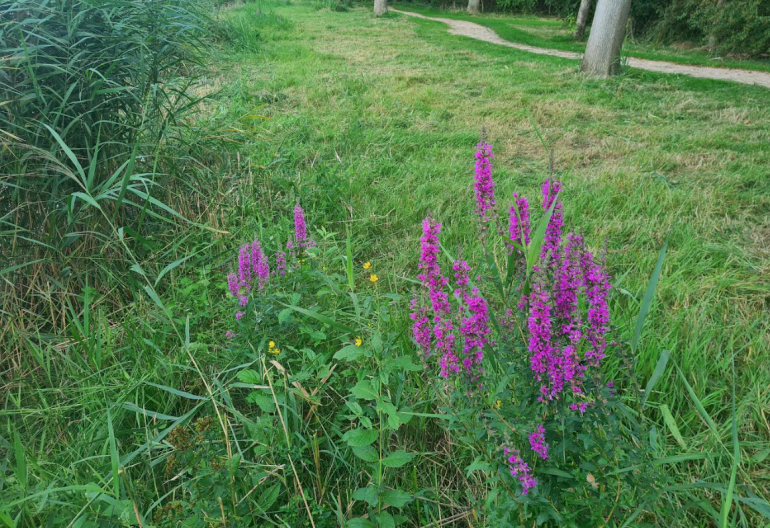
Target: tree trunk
<point x="582" y="19"/>
<point x="473" y="6"/>
<point x="602" y="57"/>
<point x="380" y="7"/>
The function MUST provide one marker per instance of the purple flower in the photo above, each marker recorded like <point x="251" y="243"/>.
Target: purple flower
<point x="280" y="262"/>
<point x="436" y="283"/>
<point x="300" y="229"/>
<point x="537" y="442"/>
<point x="520" y="469"/>
<point x="484" y="185"/>
<point x="518" y="224"/>
<point x="474" y="320"/>
<point x="552" y="239"/>
<point x="597" y="289"/>
<point x="421" y="329"/>
<point x="229" y="334"/>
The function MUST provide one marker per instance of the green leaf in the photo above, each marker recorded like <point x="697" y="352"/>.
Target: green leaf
<point x="648" y="297"/>
<point x="366" y="453"/>
<point x="396" y="498"/>
<point x="250" y="376"/>
<point x="321" y="317"/>
<point x="385" y="520"/>
<point x="671" y="423"/>
<point x="698" y="405"/>
<point x="660" y="368"/>
<point x="360" y="522"/>
<point x="727" y="502"/>
<point x="268" y="497"/>
<point x="536" y="241"/>
<point x="349" y="263"/>
<point x="264" y="401"/>
<point x="21" y="460"/>
<point x="360" y="437"/>
<point x="403" y="363"/>
<point x="397" y="459"/>
<point x="363" y="390"/>
<point x="368" y="494"/>
<point x="478" y="465"/>
<point x="555" y="472"/>
<point x="349" y="353"/>
<point x="114" y="458"/>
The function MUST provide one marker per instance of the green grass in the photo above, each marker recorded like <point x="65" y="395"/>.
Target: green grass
<point x="555" y="34"/>
<point x="373" y="122"/>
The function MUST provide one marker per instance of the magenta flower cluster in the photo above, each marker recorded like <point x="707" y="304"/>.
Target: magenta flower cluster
<point x="565" y="309"/>
<point x="253" y="271"/>
<point x="537" y="442"/>
<point x="434" y="323"/>
<point x="484" y="184"/>
<point x="252" y="263"/>
<point x="520" y="469"/>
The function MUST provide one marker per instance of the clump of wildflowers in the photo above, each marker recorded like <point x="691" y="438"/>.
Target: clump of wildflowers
<point x="562" y="320"/>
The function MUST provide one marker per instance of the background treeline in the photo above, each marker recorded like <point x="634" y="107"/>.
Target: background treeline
<point x="739" y="27"/>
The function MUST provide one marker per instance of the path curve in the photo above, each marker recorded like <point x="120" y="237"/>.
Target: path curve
<point x="479" y="32"/>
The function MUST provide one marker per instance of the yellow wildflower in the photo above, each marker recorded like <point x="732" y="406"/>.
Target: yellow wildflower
<point x="368" y="266"/>
<point x="373" y="277"/>
<point x="498" y="404"/>
<point x="359" y="341"/>
<point x="272" y="348"/>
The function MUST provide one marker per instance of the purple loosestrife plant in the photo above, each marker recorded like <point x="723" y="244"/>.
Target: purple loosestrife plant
<point x="528" y="358"/>
<point x="484" y="185"/>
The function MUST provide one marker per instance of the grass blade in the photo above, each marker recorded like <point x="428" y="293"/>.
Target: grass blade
<point x="114" y="458"/>
<point x="660" y="368"/>
<point x="648" y="296"/>
<point x="728" y="500"/>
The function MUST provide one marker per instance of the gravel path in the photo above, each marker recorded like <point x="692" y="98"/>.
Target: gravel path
<point x="479" y="32"/>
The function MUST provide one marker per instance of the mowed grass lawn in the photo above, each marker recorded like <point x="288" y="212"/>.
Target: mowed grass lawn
<point x="375" y="122"/>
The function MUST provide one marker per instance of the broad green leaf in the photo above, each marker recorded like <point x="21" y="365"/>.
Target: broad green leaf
<point x="264" y="401"/>
<point x="360" y="437"/>
<point x="368" y="494"/>
<point x="403" y="363"/>
<point x="349" y="353"/>
<point x="397" y="459"/>
<point x="268" y="497"/>
<point x="360" y="522"/>
<point x="478" y="465"/>
<point x="396" y="498"/>
<point x="366" y="453"/>
<point x="363" y="390"/>
<point x="250" y="376"/>
<point x="385" y="520"/>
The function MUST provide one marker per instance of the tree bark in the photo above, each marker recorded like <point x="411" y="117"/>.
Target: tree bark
<point x="602" y="57"/>
<point x="582" y="19"/>
<point x="473" y="6"/>
<point x="380" y="7"/>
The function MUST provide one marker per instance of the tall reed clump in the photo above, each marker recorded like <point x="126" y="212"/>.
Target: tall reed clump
<point x="94" y="95"/>
<point x="519" y="348"/>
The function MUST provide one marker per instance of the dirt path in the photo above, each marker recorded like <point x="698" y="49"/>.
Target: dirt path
<point x="479" y="32"/>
